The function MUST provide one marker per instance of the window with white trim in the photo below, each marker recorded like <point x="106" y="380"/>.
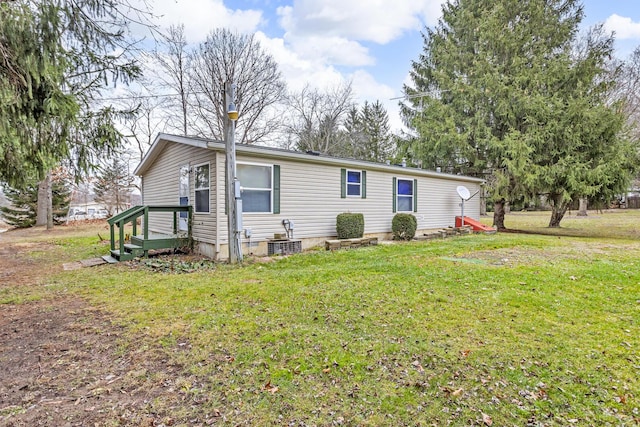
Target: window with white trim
<point x="354" y="183"/>
<point x="257" y="187"/>
<point x="201" y="188"/>
<point x="405" y="195"/>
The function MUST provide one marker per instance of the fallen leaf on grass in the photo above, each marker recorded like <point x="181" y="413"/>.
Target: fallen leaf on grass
<point x="418" y="366"/>
<point x="621" y="399"/>
<point x="542" y="394"/>
<point x="465" y="353"/>
<point x="487" y="419"/>
<point x="271" y="388"/>
<point x="448" y="392"/>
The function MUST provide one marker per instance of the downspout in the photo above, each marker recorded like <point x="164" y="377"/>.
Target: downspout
<point x="217" y="217"/>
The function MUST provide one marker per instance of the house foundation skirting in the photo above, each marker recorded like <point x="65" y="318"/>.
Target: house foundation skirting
<point x="261" y="247"/>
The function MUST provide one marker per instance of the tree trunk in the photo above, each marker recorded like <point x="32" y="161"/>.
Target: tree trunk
<point x="49" y="202"/>
<point x="498" y="214"/>
<point x="559" y="208"/>
<point x="582" y="210"/>
<point x="42" y="209"/>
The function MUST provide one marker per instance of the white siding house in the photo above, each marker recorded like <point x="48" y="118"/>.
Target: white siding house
<point x="310" y="190"/>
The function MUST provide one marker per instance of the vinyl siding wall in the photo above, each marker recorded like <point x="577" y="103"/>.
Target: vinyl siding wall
<point x="310" y="195"/>
<point x="160" y="186"/>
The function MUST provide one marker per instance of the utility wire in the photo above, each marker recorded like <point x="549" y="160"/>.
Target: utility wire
<point x="125" y="98"/>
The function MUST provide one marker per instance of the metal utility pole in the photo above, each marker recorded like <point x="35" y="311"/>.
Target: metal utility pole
<point x="232" y="185"/>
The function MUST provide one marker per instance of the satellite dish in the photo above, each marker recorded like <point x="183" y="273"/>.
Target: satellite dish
<point x="463" y="192"/>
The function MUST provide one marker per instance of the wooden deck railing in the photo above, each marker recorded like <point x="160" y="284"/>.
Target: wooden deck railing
<point x="131" y="216"/>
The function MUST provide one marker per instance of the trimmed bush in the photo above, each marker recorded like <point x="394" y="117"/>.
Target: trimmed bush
<point x="404" y="226"/>
<point x="350" y="225"/>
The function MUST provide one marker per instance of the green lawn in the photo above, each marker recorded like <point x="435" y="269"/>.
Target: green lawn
<point x="504" y="329"/>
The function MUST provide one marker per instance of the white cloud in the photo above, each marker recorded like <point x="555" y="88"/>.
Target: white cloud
<point x="623" y="27"/>
<point x="335" y="50"/>
<point x="201" y="16"/>
<point x="316" y="38"/>
<point x="366" y="88"/>
<point x="334" y="33"/>
<point x="378" y="21"/>
<point x="299" y="70"/>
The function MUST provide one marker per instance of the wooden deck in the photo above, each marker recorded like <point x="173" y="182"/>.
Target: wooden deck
<point x="140" y="244"/>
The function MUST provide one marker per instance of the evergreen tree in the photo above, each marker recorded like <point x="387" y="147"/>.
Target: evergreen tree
<point x="55" y="58"/>
<point x="369" y="133"/>
<point x="354" y="130"/>
<point x="21" y="212"/>
<point x="379" y="141"/>
<point x="113" y="186"/>
<point x="506" y="90"/>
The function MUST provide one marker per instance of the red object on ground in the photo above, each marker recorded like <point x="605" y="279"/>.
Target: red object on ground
<point x="475" y="225"/>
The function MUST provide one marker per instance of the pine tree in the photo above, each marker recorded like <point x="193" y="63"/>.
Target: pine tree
<point x="508" y="91"/>
<point x="22" y="211"/>
<point x="379" y="141"/>
<point x="113" y="186"/>
<point x="55" y="58"/>
<point x="369" y="133"/>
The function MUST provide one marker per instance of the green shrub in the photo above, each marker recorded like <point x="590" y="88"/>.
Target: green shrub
<point x="350" y="225"/>
<point x="404" y="226"/>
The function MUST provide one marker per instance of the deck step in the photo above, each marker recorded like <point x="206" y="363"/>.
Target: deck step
<point x="125" y="256"/>
<point x="109" y="259"/>
<point x="134" y="249"/>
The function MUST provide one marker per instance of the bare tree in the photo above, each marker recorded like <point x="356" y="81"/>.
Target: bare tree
<point x="628" y="90"/>
<point x="145" y="119"/>
<point x="174" y="61"/>
<point x="317" y="118"/>
<point x="227" y="56"/>
<point x="164" y="90"/>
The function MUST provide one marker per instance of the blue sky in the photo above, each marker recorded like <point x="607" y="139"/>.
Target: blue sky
<point x="368" y="42"/>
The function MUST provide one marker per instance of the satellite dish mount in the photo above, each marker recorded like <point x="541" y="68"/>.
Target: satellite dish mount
<point x="465" y="195"/>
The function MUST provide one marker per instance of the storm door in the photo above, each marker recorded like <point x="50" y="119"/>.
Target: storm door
<point x="183" y="193"/>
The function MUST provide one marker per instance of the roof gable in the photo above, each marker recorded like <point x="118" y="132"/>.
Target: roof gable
<point x="162" y="139"/>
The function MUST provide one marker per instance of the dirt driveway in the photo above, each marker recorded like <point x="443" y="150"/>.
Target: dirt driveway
<point x="64" y="363"/>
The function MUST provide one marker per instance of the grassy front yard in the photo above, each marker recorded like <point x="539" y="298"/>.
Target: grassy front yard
<point x="505" y="329"/>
